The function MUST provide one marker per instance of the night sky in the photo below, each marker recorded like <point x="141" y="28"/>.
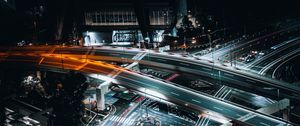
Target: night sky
<point x="250" y="11"/>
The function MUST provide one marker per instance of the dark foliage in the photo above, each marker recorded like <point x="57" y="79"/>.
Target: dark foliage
<point x="2" y="113"/>
<point x="68" y="107"/>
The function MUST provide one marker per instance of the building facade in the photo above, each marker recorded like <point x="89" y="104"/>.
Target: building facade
<point x="127" y="22"/>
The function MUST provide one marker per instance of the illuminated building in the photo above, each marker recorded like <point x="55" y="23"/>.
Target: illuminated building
<point x="127" y="22"/>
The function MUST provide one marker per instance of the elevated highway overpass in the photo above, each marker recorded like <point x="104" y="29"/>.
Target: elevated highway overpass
<point x="242" y="80"/>
<point x="142" y="83"/>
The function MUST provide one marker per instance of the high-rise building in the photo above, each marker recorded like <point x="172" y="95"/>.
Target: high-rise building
<point x="128" y="21"/>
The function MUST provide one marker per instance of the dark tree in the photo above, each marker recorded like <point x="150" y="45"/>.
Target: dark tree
<point x="68" y="107"/>
<point x="2" y="114"/>
<point x="2" y="110"/>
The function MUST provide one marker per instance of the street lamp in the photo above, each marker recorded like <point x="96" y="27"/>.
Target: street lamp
<point x="194" y="40"/>
<point x="210" y="48"/>
<point x="61" y="57"/>
<point x="148" y="41"/>
<point x="184" y="44"/>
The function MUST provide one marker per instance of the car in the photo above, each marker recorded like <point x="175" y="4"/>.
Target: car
<point x="261" y="53"/>
<point x="22" y="43"/>
<point x="254" y="52"/>
<point x="243" y="57"/>
<point x="249" y="58"/>
<point x="226" y="61"/>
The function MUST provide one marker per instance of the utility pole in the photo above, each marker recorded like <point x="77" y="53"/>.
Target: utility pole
<point x="184" y="41"/>
<point x="231" y="56"/>
<point x="210" y="47"/>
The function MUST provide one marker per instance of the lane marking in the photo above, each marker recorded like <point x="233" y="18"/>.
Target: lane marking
<point x="218" y="108"/>
<point x="196" y="101"/>
<point x="174" y="93"/>
<point x="265" y="124"/>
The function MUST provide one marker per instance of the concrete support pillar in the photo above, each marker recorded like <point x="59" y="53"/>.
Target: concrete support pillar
<point x="135" y="67"/>
<point x="100" y="99"/>
<point x="275" y="107"/>
<point x="270" y="109"/>
<point x="286" y="114"/>
<point x="100" y="92"/>
<point x="39" y="75"/>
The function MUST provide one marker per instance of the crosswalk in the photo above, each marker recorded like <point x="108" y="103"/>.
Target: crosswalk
<point x="203" y="121"/>
<point x="223" y="92"/>
<point x="139" y="56"/>
<point x="123" y="121"/>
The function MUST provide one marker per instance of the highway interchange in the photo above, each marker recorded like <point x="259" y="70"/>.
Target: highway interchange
<point x="49" y="57"/>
